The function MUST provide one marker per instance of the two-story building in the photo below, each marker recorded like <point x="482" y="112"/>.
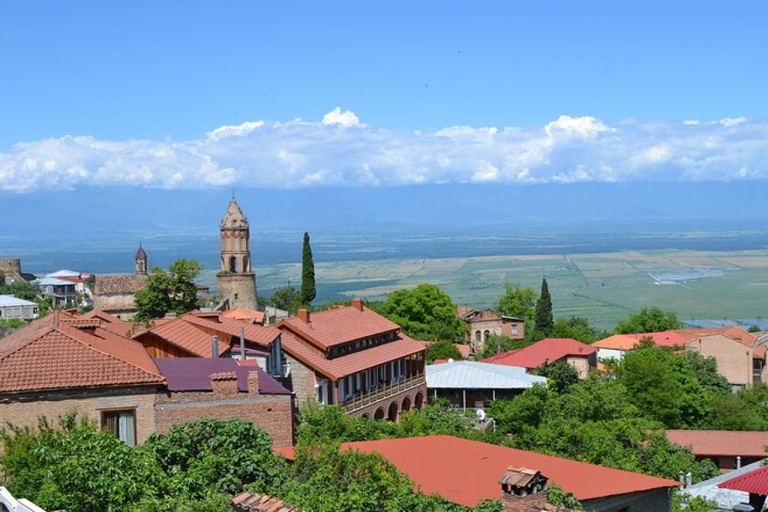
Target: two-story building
<point x="482" y="323"/>
<point x="356" y="358"/>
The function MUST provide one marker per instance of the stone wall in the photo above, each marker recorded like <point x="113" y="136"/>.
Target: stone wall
<point x="240" y="289"/>
<point x="301" y="381"/>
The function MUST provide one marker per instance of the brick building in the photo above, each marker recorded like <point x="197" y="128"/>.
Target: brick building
<point x="582" y="357"/>
<point x="482" y="323"/>
<point x="114" y="294"/>
<point x="356" y="358"/>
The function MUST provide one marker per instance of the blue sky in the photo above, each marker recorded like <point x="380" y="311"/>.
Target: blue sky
<point x="188" y="94"/>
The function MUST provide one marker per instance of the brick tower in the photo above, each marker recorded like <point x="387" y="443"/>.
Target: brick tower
<point x="236" y="282"/>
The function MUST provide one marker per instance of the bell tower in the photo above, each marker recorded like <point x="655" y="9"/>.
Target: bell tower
<point x="141" y="261"/>
<point x="236" y="282"/>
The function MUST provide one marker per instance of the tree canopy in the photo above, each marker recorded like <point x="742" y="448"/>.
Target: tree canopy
<point x="543" y="320"/>
<point x="308" y="290"/>
<point x="174" y="291"/>
<point x="425" y="313"/>
<point x="651" y="319"/>
<point x="287" y="298"/>
<point x="517" y="302"/>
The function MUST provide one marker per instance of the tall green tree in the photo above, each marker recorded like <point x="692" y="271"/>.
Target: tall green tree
<point x="182" y="275"/>
<point x="517" y="302"/>
<point x="308" y="290"/>
<point x="425" y="312"/>
<point x="543" y="320"/>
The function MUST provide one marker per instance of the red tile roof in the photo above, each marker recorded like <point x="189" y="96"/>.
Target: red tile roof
<point x="349" y="364"/>
<point x="110" y="322"/>
<point x="338" y="326"/>
<point x="125" y="284"/>
<point x="547" y="350"/>
<point x="753" y="482"/>
<point x="628" y="341"/>
<point x="51" y="354"/>
<point x="721" y="442"/>
<point x="466" y="472"/>
<point x="244" y="314"/>
<point x="734" y="332"/>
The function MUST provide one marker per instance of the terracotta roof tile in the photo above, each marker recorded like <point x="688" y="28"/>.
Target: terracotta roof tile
<point x="244" y="314"/>
<point x="467" y="472"/>
<point x="734" y="332"/>
<point x="548" y="350"/>
<point x="351" y="363"/>
<point x="49" y="354"/>
<point x="251" y="502"/>
<point x="121" y="284"/>
<point x="721" y="442"/>
<point x="628" y="341"/>
<point x="339" y="325"/>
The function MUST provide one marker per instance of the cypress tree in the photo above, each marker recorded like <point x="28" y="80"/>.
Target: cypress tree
<point x="543" y="320"/>
<point x="308" y="290"/>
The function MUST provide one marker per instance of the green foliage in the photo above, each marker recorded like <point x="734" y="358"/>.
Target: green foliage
<point x="684" y="502"/>
<point x="443" y="350"/>
<point x="652" y="319"/>
<point x="19" y="288"/>
<point x="287" y="298"/>
<point x="425" y="313"/>
<point x="745" y="410"/>
<point x="578" y="328"/>
<point x="308" y="290"/>
<point x="517" y="302"/>
<point x="543" y="320"/>
<point x="558" y="497"/>
<point x="205" y="456"/>
<point x="706" y="372"/>
<point x="496" y="343"/>
<point x="560" y="375"/>
<point x="174" y="291"/>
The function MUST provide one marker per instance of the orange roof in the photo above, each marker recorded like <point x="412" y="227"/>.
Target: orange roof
<point x="547" y="350"/>
<point x="110" y="322"/>
<point x="628" y="341"/>
<point x="244" y="314"/>
<point x="721" y="442"/>
<point x="462" y="311"/>
<point x="337" y="326"/>
<point x="349" y="364"/>
<point x="192" y="332"/>
<point x="466" y="472"/>
<point x="52" y="354"/>
<point x="734" y="332"/>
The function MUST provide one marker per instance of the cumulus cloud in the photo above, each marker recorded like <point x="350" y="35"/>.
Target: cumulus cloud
<point x="308" y="154"/>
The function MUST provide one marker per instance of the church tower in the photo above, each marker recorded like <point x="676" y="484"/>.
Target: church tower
<point x="141" y="261"/>
<point x="236" y="282"/>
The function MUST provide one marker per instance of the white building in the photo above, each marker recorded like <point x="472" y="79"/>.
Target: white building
<point x="12" y="307"/>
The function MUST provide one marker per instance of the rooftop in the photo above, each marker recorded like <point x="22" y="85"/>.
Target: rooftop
<point x="51" y="354"/>
<point x="474" y="375"/>
<point x="124" y="284"/>
<point x="193" y="374"/>
<point x="547" y="350"/>
<point x="337" y="326"/>
<point x="755" y="481"/>
<point x="721" y="442"/>
<point x="466" y="472"/>
<point x="10" y="300"/>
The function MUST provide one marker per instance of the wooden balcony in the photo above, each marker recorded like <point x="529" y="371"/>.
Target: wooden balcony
<point x="367" y="398"/>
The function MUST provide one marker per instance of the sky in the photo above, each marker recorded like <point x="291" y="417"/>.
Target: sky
<point x="314" y="94"/>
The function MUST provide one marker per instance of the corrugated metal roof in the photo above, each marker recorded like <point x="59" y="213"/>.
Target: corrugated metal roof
<point x="474" y="375"/>
<point x="753" y="482"/>
<point x="10" y="301"/>
<point x="725" y="498"/>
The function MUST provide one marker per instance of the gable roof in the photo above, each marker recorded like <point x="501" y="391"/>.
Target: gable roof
<point x="110" y="322"/>
<point x="349" y="364"/>
<point x="51" y="354"/>
<point x="733" y="332"/>
<point x="125" y="284"/>
<point x="627" y="342"/>
<point x="10" y="301"/>
<point x="753" y="482"/>
<point x="547" y="350"/>
<point x="192" y="332"/>
<point x="474" y="375"/>
<point x="244" y="314"/>
<point x="721" y="442"/>
<point x="337" y="326"/>
<point x="193" y="374"/>
<point x="467" y="472"/>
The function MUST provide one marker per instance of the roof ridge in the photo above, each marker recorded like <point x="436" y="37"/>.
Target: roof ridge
<point x="51" y="319"/>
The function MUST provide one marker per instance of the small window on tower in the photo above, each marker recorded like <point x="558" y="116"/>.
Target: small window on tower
<point x="233" y="264"/>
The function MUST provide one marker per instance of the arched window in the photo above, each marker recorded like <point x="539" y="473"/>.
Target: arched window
<point x="478" y="336"/>
<point x="485" y="335"/>
<point x="232" y="264"/>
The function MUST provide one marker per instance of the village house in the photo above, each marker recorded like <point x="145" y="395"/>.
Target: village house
<point x="67" y="362"/>
<point x="729" y="450"/>
<point x="356" y="358"/>
<point x="473" y="384"/>
<point x="614" y="347"/>
<point x="467" y="472"/>
<point x="12" y="307"/>
<point x="482" y="323"/>
<point x="582" y="357"/>
<point x="114" y="294"/>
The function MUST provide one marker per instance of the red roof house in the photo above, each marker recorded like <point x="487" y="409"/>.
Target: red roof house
<point x="722" y="446"/>
<point x="550" y="350"/>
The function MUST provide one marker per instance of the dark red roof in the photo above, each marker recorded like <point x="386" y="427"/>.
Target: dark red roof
<point x="721" y="442"/>
<point x="467" y="472"/>
<point x="193" y="374"/>
<point x="547" y="350"/>
<point x="753" y="482"/>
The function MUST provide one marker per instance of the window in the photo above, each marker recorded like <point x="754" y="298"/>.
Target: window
<point x="232" y="264"/>
<point x="122" y="424"/>
<point x="478" y="336"/>
<point x="513" y="329"/>
<point x="485" y="335"/>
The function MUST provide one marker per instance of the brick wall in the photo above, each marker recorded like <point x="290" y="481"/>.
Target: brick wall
<point x="734" y="360"/>
<point x="301" y="381"/>
<point x="272" y="413"/>
<point x="26" y="409"/>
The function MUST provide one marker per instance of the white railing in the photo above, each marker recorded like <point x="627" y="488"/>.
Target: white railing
<point x="14" y="505"/>
<point x="365" y="399"/>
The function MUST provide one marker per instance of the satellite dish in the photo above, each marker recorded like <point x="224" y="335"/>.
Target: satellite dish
<point x="480" y="414"/>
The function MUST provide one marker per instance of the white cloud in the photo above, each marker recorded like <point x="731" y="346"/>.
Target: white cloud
<point x="336" y="116"/>
<point x="300" y="153"/>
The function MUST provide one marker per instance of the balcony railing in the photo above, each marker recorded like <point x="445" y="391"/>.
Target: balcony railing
<point x="367" y="398"/>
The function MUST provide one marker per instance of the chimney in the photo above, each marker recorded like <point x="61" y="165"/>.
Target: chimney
<point x="688" y="479"/>
<point x="523" y="490"/>
<point x="214" y="346"/>
<point x="303" y="315"/>
<point x="224" y="383"/>
<point x="253" y="382"/>
<point x="738" y="462"/>
<point x="357" y="304"/>
<point x="242" y="343"/>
